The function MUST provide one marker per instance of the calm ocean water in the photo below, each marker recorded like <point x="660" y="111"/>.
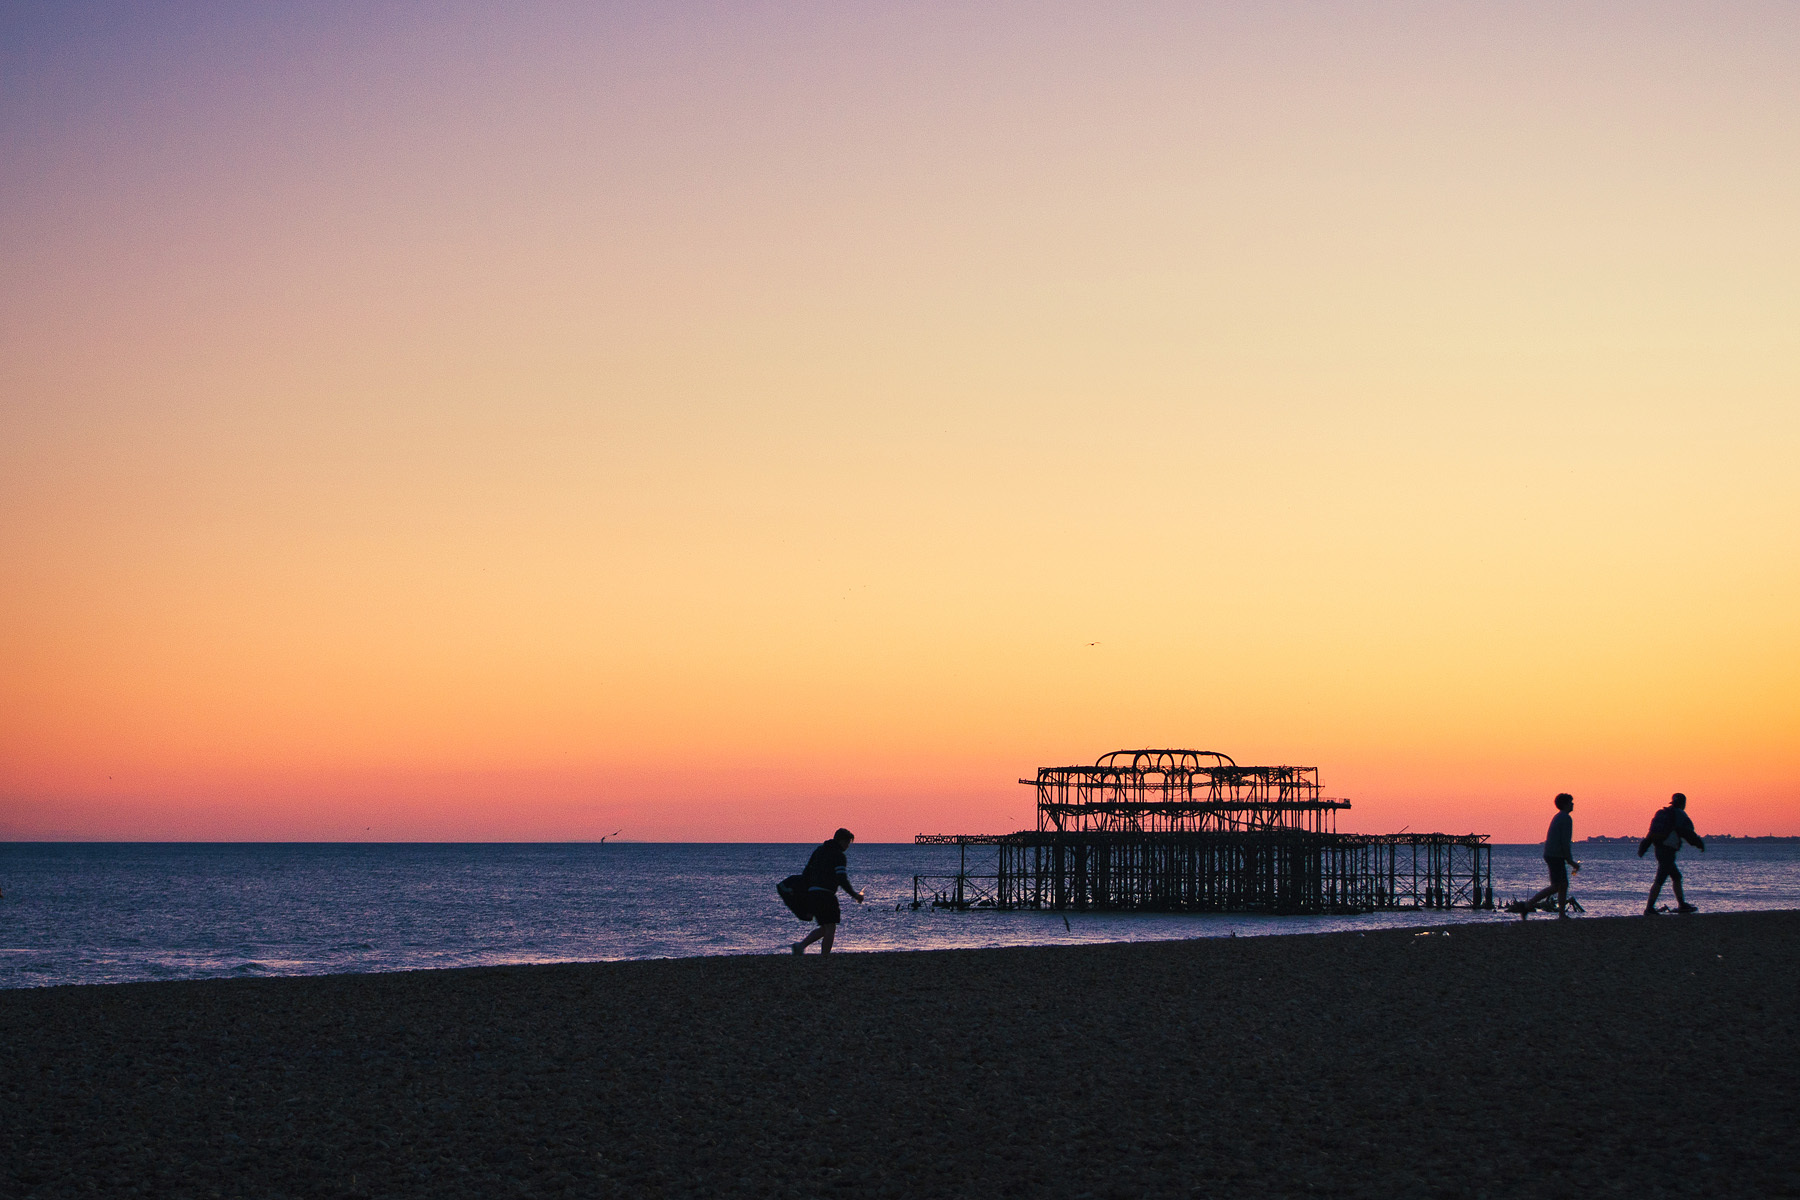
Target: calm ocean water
<point x="98" y="913"/>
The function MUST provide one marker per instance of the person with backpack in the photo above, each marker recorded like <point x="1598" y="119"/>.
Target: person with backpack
<point x="826" y="872"/>
<point x="1670" y="827"/>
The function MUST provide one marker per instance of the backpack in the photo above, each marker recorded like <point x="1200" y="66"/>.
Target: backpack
<point x="1663" y="828"/>
<point x="792" y="891"/>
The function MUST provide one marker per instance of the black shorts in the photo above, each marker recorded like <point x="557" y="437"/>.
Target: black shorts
<point x="824" y="906"/>
<point x="1665" y="861"/>
<point x="1559" y="873"/>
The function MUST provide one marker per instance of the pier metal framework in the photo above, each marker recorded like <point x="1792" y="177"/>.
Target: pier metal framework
<point x="1191" y="831"/>
<point x="1180" y="791"/>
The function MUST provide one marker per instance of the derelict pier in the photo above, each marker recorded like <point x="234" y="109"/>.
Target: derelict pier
<point x="1192" y="831"/>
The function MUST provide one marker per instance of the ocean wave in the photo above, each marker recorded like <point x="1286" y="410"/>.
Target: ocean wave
<point x="233" y="915"/>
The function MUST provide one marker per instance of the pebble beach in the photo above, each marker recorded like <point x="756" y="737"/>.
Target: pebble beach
<point x="1544" y="1058"/>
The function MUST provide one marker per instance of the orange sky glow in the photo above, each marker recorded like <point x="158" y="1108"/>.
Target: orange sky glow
<point x="730" y="422"/>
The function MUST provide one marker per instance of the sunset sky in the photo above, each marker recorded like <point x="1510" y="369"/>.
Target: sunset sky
<point x="727" y="422"/>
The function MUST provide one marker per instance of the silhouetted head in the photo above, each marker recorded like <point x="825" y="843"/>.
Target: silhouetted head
<point x="1565" y="801"/>
<point x="843" y="838"/>
<point x="1678" y="800"/>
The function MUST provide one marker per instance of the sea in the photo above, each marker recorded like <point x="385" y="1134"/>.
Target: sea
<point x="93" y="913"/>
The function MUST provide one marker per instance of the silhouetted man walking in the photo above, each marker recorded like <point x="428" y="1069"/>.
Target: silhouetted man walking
<point x="1670" y="827"/>
<point x="826" y="872"/>
<point x="1559" y="856"/>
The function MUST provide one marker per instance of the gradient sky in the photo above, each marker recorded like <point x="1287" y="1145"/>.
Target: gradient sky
<point x="727" y="422"/>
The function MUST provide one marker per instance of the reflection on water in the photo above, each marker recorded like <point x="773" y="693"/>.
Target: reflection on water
<point x="85" y="913"/>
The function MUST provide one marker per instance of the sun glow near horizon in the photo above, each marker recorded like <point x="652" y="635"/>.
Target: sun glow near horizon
<point x="733" y="422"/>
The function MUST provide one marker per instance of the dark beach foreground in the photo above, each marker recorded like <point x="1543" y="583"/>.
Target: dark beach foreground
<point x="1542" y="1059"/>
